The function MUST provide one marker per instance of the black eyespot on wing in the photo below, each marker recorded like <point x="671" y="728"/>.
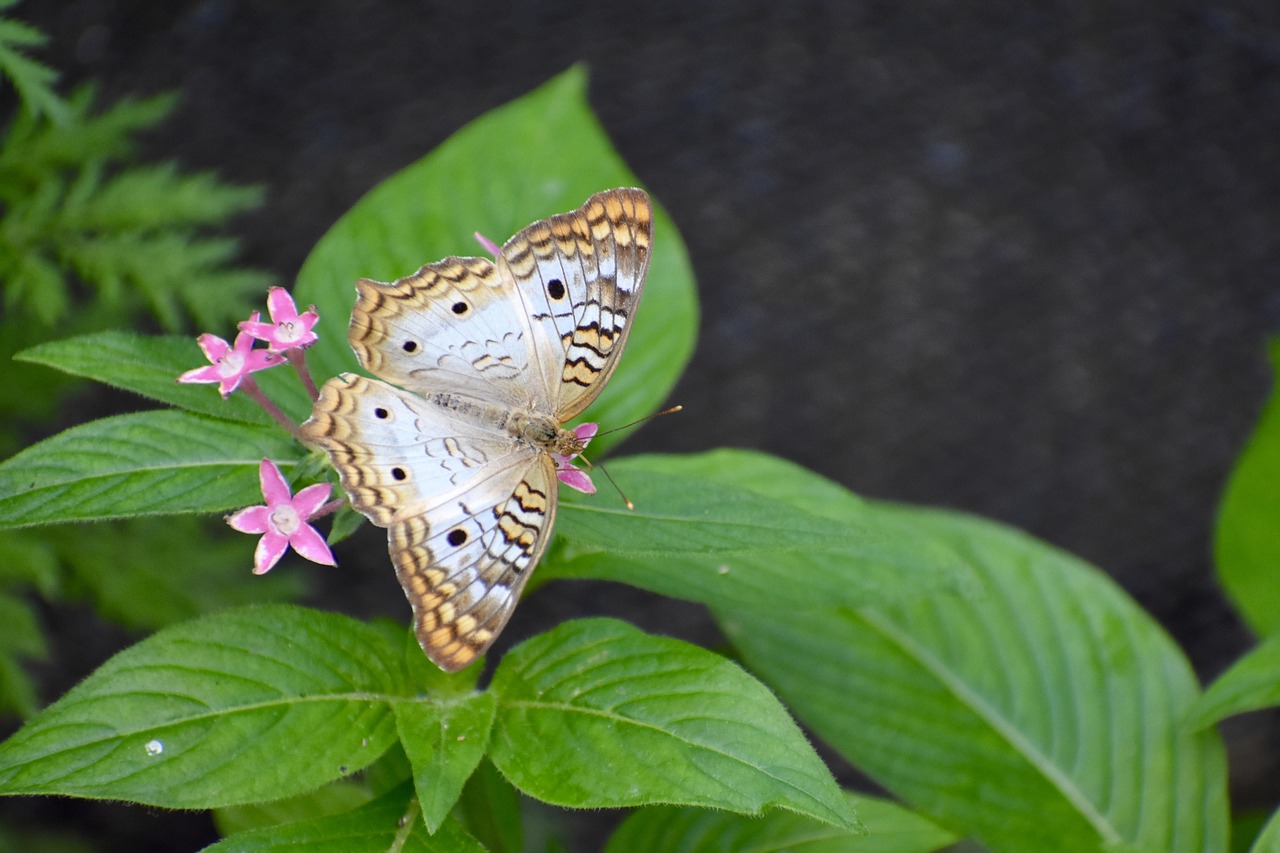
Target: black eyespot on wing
<point x="457" y="536"/>
<point x="410" y="346"/>
<point x="398" y="473"/>
<point x="460" y="308"/>
<point x="381" y="413"/>
<point x="555" y="289"/>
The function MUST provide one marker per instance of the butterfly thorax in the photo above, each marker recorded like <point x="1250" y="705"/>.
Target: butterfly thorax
<point x="543" y="432"/>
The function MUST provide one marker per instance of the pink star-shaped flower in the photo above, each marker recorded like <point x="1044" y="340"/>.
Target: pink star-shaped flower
<point x="570" y="474"/>
<point x="283" y="521"/>
<point x="230" y="364"/>
<point x="288" y="329"/>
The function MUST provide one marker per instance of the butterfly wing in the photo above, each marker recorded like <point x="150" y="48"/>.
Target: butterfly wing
<point x="579" y="276"/>
<point x="468" y="511"/>
<point x="454" y="326"/>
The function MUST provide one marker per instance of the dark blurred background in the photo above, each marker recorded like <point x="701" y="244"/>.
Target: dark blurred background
<point x="1018" y="261"/>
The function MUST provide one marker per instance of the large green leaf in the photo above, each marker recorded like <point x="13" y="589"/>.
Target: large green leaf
<point x="241" y="706"/>
<point x="736" y="527"/>
<point x="890" y="829"/>
<point x="1247" y="540"/>
<point x="544" y="153"/>
<point x="597" y="714"/>
<point x="1251" y="684"/>
<point x="149" y="463"/>
<point x="1045" y="715"/>
<point x="150" y="366"/>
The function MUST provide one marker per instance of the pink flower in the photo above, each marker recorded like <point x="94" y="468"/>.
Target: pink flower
<point x="283" y="521"/>
<point x="571" y="475"/>
<point x="288" y="329"/>
<point x="230" y="364"/>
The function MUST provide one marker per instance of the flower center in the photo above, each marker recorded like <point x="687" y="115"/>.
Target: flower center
<point x="288" y="331"/>
<point x="284" y="518"/>
<point x="231" y="364"/>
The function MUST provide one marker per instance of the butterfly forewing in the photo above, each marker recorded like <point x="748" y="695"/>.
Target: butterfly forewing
<point x="581" y="275"/>
<point x="482" y="350"/>
<point x="452" y="327"/>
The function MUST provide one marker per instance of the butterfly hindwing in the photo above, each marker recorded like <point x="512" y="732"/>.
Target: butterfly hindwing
<point x="395" y="450"/>
<point x="580" y="275"/>
<point x="463" y="561"/>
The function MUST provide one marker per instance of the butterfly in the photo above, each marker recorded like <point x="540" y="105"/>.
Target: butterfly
<point x="459" y="451"/>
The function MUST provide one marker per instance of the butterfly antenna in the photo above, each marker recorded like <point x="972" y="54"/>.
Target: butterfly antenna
<point x="670" y="411"/>
<point x="590" y="467"/>
<point x="626" y="500"/>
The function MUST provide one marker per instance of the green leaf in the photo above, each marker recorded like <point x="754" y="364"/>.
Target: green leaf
<point x="542" y="154"/>
<point x="1252" y="683"/>
<point x="388" y="823"/>
<point x="445" y="740"/>
<point x="890" y="829"/>
<point x="150" y="463"/>
<point x="490" y="811"/>
<point x="150" y="366"/>
<point x="144" y="573"/>
<point x="334" y="798"/>
<point x="1247" y="539"/>
<point x="1269" y="840"/>
<point x="21" y="638"/>
<point x="1045" y="715"/>
<point x="597" y="714"/>
<point x="731" y="527"/>
<point x="238" y="707"/>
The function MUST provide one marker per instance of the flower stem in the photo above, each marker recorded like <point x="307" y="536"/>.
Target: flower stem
<point x="299" y="361"/>
<point x="250" y="387"/>
<point x="331" y="506"/>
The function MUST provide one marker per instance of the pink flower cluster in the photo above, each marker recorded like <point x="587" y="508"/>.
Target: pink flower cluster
<point x="231" y="364"/>
<point x="282" y="521"/>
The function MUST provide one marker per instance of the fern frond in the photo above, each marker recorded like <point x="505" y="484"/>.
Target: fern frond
<point x="33" y="80"/>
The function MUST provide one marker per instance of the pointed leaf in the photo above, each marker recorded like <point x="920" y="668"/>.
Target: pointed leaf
<point x="481" y="179"/>
<point x="149" y="463"/>
<point x="890" y="829"/>
<point x="1247" y="539"/>
<point x="1045" y="715"/>
<point x="1252" y="683"/>
<point x="445" y="740"/>
<point x="728" y="527"/>
<point x="596" y="714"/>
<point x="238" y="707"/>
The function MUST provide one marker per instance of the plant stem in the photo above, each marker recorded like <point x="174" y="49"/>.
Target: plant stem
<point x="299" y="361"/>
<point x="250" y="387"/>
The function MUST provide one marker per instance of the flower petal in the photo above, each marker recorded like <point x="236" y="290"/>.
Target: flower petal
<point x="251" y="519"/>
<point x="202" y="374"/>
<point x="271" y="548"/>
<point x="280" y="305"/>
<point x="310" y="499"/>
<point x="308" y="542"/>
<point x="212" y="346"/>
<point x="576" y="479"/>
<point x="489" y="246"/>
<point x="274" y="487"/>
<point x="586" y="432"/>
